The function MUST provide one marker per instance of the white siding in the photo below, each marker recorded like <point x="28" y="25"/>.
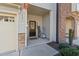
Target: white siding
<point x="46" y="25"/>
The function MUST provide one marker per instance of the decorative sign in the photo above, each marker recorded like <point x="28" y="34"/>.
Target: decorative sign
<point x="32" y="25"/>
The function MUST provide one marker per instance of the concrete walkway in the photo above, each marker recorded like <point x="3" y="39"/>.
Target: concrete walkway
<point x="39" y="50"/>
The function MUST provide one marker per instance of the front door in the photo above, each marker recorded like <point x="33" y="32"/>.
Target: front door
<point x="32" y="28"/>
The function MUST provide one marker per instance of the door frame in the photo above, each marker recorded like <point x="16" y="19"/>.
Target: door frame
<point x="35" y="29"/>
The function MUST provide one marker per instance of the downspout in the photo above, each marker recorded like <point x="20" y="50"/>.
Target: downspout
<point x="57" y="23"/>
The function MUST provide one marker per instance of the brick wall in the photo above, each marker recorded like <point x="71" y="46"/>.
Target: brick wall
<point x="64" y="11"/>
<point x="21" y="40"/>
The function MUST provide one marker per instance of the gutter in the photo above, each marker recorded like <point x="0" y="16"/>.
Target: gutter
<point x="57" y="23"/>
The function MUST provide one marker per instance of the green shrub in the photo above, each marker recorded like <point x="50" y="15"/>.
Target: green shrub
<point x="69" y="52"/>
<point x="64" y="45"/>
<point x="77" y="47"/>
<point x="71" y="36"/>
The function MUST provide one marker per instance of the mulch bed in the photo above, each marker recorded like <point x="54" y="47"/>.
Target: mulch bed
<point x="56" y="46"/>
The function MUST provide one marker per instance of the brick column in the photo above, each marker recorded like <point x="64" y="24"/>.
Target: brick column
<point x="21" y="40"/>
<point x="64" y="11"/>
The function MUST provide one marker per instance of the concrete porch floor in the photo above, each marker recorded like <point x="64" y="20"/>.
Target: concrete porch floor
<point x="39" y="50"/>
<point x="33" y="42"/>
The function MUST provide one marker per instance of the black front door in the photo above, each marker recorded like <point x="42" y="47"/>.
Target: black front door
<point x="32" y="28"/>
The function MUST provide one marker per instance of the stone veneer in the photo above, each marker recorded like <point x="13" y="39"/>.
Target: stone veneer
<point x="21" y="40"/>
<point x="64" y="11"/>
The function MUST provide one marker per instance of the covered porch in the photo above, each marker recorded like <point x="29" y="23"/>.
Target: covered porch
<point x="38" y="30"/>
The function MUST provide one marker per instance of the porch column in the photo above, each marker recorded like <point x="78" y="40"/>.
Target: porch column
<point x="64" y="11"/>
<point x="22" y="26"/>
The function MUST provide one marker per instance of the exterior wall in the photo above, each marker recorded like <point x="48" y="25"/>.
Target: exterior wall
<point x="8" y="32"/>
<point x="77" y="28"/>
<point x="64" y="11"/>
<point x="7" y="8"/>
<point x="36" y="18"/>
<point x="68" y="25"/>
<point x="52" y="8"/>
<point x="21" y="40"/>
<point x="20" y="23"/>
<point x="42" y="21"/>
<point x="75" y="7"/>
<point x="46" y="25"/>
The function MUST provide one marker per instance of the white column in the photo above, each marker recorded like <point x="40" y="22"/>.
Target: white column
<point x="22" y="23"/>
<point x="24" y="19"/>
<point x="25" y="16"/>
<point x="17" y="20"/>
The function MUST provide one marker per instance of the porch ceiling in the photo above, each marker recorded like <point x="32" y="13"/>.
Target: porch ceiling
<point x="37" y="10"/>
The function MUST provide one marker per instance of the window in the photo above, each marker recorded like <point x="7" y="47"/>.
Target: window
<point x="1" y="18"/>
<point x="5" y="18"/>
<point x="11" y="19"/>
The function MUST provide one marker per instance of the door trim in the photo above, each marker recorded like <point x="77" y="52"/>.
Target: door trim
<point x="35" y="29"/>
